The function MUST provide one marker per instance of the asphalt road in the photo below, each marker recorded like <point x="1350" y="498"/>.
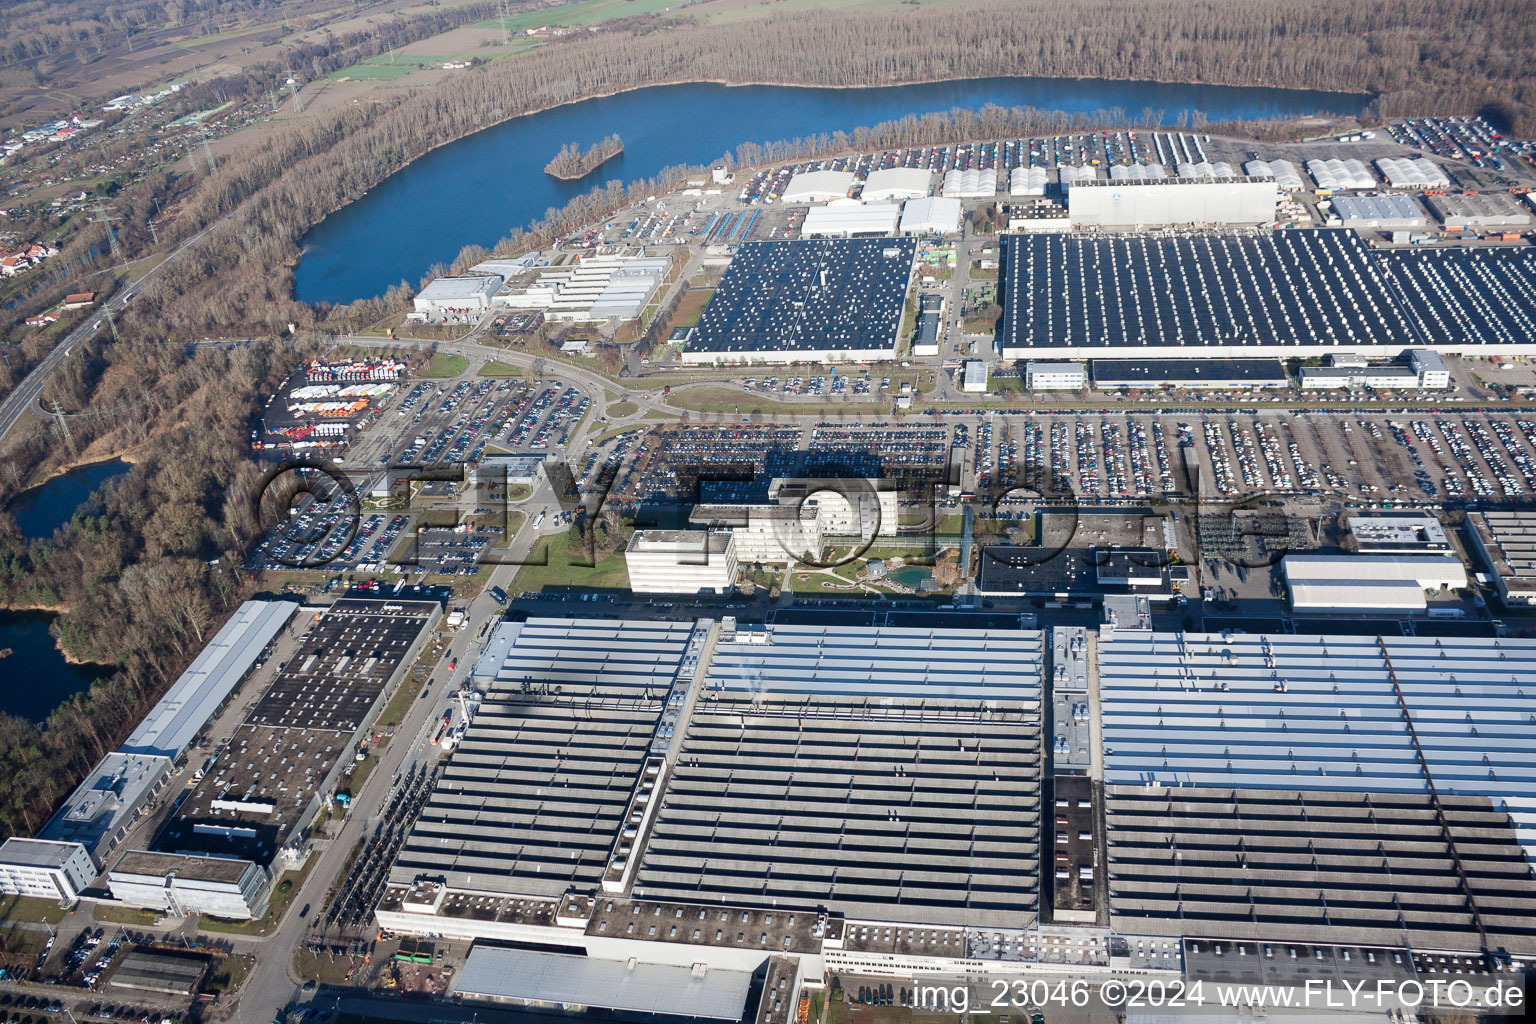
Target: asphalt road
<point x="19" y="400"/>
<point x="271" y="985"/>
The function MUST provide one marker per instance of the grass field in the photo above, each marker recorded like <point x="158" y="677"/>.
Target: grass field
<point x="386" y="67"/>
<point x="16" y="909"/>
<point x="559" y="572"/>
<point x="496" y="368"/>
<point x="738" y="402"/>
<point x="621" y="409"/>
<point x="584" y="12"/>
<point x="444" y="364"/>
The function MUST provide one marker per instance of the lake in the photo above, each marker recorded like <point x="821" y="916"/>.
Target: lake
<point x="477" y="189"/>
<point x="35" y="658"/>
<point x="41" y="510"/>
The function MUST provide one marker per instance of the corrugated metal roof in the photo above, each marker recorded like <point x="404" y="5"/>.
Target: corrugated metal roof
<point x="174" y="722"/>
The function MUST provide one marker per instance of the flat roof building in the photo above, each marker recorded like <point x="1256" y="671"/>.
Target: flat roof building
<point x="1387" y="212"/>
<point x="287" y="757"/>
<point x="173" y="723"/>
<point x="1409" y="172"/>
<point x="177" y="974"/>
<point x="457" y="294"/>
<point x="1244" y="295"/>
<point x="1221" y="374"/>
<point x="1154" y="202"/>
<point x="1505" y="542"/>
<point x="45" y="869"/>
<point x="832" y="300"/>
<point x="1364" y="582"/>
<point x="1476" y="211"/>
<point x="974" y="377"/>
<point x="818" y="186"/>
<point x="182" y="886"/>
<point x="1040" y="376"/>
<point x="100" y="810"/>
<point x="1279" y="787"/>
<point x="681" y="562"/>
<point x="1399" y="533"/>
<point x="897" y="183"/>
<point x="564" y="981"/>
<point x="848" y="218"/>
<point x="933" y="215"/>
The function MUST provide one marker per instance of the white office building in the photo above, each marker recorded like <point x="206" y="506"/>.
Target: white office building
<point x="45" y="869"/>
<point x="681" y="561"/>
<point x="183" y="885"/>
<point x="1055" y="376"/>
<point x="1430" y="366"/>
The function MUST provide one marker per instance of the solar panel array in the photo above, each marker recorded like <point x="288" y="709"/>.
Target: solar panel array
<point x="1317" y="287"/>
<point x="891" y="774"/>
<point x="1468" y="296"/>
<point x="821" y="295"/>
<point x="1341" y="788"/>
<point x="1191" y="291"/>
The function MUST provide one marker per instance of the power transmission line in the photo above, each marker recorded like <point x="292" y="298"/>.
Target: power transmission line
<point x="103" y="216"/>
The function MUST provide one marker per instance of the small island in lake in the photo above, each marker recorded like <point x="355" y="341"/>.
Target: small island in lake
<point x="572" y="163"/>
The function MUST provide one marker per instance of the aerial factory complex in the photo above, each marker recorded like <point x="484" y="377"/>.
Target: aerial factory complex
<point x="819" y="587"/>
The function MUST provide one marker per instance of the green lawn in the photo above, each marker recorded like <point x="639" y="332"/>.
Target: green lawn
<point x="619" y="410"/>
<point x="610" y="573"/>
<point x="444" y="364"/>
<point x="16" y="909"/>
<point x="123" y="915"/>
<point x="496" y="368"/>
<point x="584" y="12"/>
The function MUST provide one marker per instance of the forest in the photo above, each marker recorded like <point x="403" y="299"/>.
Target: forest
<point x="572" y="162"/>
<point x="143" y="576"/>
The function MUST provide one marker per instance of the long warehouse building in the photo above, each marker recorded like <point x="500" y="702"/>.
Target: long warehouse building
<point x="1325" y="789"/>
<point x="1295" y="293"/>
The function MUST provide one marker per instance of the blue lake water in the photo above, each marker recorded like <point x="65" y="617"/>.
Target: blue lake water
<point x="46" y="507"/>
<point x="39" y="679"/>
<point x="477" y="189"/>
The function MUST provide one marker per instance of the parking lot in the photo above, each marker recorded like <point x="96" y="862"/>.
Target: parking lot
<point x="1402" y="458"/>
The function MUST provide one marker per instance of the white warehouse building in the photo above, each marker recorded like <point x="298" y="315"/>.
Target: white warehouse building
<point x="681" y="561"/>
<point x="457" y="294"/>
<point x="1027" y="181"/>
<point x="1383" y="583"/>
<point x="1134" y="204"/>
<point x="932" y="215"/>
<point x="897" y="183"/>
<point x="846" y="218"/>
<point x="818" y="186"/>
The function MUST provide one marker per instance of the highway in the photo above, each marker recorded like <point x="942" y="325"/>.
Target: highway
<point x="19" y="400"/>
